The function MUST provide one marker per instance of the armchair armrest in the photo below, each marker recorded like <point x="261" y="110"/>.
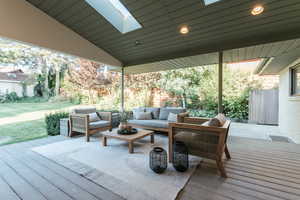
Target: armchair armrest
<point x="195" y="120"/>
<point x="107" y="116"/>
<point x="79" y="122"/>
<point x="197" y="127"/>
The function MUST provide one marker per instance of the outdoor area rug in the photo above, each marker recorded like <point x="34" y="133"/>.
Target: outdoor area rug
<point x="112" y="167"/>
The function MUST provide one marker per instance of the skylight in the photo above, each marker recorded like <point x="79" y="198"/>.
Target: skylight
<point x="116" y="13"/>
<point x="207" y="2"/>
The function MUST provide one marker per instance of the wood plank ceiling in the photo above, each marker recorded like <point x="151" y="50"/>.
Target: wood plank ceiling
<point x="277" y="50"/>
<point x="225" y="25"/>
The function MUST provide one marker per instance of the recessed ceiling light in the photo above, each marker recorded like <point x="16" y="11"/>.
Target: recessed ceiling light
<point x="258" y="9"/>
<point x="184" y="30"/>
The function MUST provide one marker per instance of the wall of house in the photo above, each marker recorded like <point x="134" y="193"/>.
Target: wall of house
<point x="289" y="109"/>
<point x="8" y="87"/>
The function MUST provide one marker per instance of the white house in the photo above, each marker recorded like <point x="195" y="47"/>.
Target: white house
<point x="287" y="66"/>
<point x="15" y="81"/>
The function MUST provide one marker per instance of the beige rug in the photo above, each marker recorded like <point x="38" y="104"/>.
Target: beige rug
<point x="114" y="168"/>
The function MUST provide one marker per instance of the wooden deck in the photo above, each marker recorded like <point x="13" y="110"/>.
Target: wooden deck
<point x="258" y="170"/>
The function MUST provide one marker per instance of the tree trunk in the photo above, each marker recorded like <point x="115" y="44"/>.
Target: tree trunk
<point x="183" y="97"/>
<point x="57" y="81"/>
<point x="46" y="85"/>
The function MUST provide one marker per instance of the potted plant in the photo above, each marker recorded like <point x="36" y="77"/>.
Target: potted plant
<point x="124" y="122"/>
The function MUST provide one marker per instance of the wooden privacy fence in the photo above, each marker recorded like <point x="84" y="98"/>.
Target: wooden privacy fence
<point x="263" y="106"/>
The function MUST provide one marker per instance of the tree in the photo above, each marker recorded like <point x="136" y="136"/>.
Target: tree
<point x="88" y="76"/>
<point x="182" y="83"/>
<point x="37" y="60"/>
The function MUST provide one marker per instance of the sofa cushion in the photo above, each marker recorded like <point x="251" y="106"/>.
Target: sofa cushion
<point x="143" y="115"/>
<point x="93" y="117"/>
<point x="151" y="123"/>
<point x="172" y="117"/>
<point x="84" y="110"/>
<point x="99" y="124"/>
<point x="164" y="112"/>
<point x="154" y="111"/>
<point x="137" y="110"/>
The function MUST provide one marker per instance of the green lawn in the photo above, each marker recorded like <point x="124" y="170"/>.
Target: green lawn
<point x="14" y="109"/>
<point x="23" y="131"/>
<point x="26" y="128"/>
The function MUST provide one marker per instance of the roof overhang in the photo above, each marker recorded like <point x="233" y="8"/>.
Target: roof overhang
<point x="276" y="64"/>
<point x="25" y="23"/>
<point x="275" y="55"/>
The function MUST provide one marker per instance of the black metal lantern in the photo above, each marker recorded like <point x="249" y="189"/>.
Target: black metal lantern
<point x="180" y="156"/>
<point x="158" y="160"/>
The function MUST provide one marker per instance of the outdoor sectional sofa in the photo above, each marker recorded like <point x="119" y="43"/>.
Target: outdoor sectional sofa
<point x="159" y="118"/>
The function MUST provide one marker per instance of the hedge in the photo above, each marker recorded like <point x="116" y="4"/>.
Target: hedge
<point x="52" y="122"/>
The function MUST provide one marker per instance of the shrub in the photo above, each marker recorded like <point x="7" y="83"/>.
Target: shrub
<point x="52" y="122"/>
<point x="202" y="113"/>
<point x="12" y="97"/>
<point x="9" y="98"/>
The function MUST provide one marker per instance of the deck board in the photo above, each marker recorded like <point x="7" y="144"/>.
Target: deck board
<point x="258" y="170"/>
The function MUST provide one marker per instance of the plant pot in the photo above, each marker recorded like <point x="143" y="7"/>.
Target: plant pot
<point x="122" y="125"/>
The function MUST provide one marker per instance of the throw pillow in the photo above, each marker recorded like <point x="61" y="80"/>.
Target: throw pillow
<point x="93" y="117"/>
<point x="214" y="122"/>
<point x="164" y="112"/>
<point x="144" y="116"/>
<point x="135" y="111"/>
<point x="221" y="117"/>
<point x="172" y="117"/>
<point x="154" y="111"/>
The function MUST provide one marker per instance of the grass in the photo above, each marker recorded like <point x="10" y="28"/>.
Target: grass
<point x="24" y="131"/>
<point x="14" y="109"/>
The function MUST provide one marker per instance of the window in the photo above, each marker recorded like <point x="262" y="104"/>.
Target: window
<point x="116" y="14"/>
<point x="295" y="81"/>
<point x="207" y="2"/>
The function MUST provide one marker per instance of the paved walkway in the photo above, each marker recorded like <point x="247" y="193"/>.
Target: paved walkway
<point x="253" y="131"/>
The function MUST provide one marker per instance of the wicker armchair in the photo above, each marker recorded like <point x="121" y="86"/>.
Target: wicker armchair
<point x="201" y="140"/>
<point x="80" y="122"/>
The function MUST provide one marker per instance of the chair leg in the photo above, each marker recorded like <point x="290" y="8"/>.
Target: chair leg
<point x="227" y="153"/>
<point x="70" y="133"/>
<point x="221" y="168"/>
<point x="87" y="137"/>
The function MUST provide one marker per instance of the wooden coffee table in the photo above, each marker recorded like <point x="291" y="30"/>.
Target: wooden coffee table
<point x="128" y="138"/>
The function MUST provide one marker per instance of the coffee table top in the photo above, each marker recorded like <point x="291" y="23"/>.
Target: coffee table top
<point x="114" y="134"/>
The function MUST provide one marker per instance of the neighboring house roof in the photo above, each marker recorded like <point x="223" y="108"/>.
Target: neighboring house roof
<point x="16" y="76"/>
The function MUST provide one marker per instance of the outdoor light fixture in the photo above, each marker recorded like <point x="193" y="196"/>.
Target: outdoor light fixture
<point x="258" y="9"/>
<point x="184" y="30"/>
